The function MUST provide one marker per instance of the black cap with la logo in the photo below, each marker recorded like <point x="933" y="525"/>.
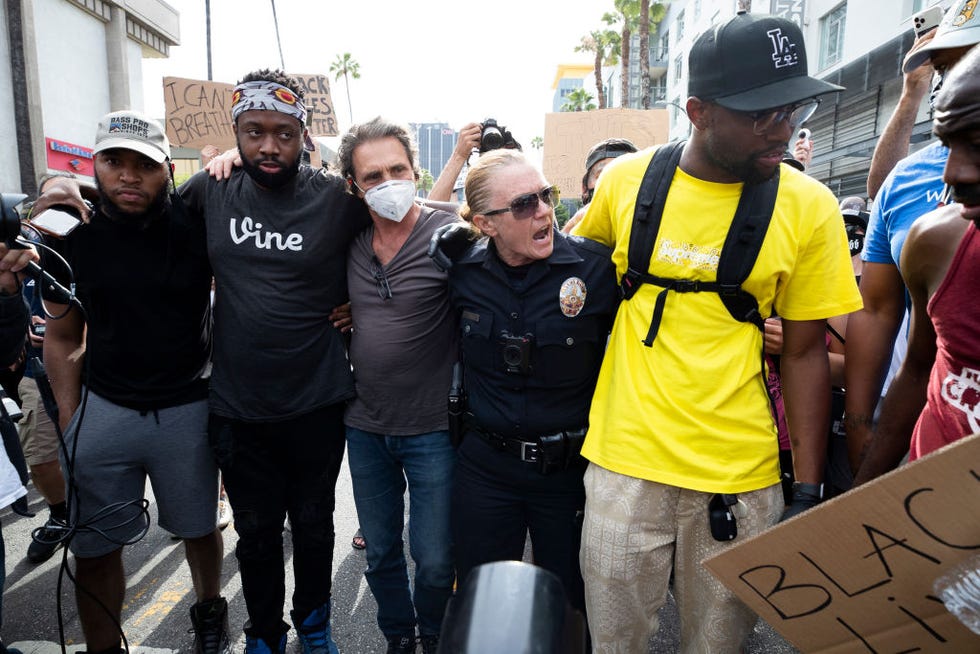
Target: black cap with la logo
<point x="752" y="62"/>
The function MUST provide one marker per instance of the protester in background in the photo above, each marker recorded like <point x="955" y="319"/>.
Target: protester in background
<point x="402" y="350"/>
<point x="142" y="275"/>
<point x="534" y="307"/>
<point x="38" y="436"/>
<point x="933" y="400"/>
<point x="14" y="321"/>
<point x="839" y="477"/>
<point x="598" y="156"/>
<point x="677" y="426"/>
<point x="912" y="188"/>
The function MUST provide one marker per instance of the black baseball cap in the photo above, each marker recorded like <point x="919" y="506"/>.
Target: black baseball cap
<point x="752" y="62"/>
<point x="853" y="209"/>
<point x="607" y="149"/>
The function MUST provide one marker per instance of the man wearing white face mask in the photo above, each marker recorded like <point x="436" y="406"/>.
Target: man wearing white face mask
<point x="402" y="351"/>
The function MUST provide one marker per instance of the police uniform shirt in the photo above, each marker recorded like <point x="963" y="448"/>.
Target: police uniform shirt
<point x="533" y="337"/>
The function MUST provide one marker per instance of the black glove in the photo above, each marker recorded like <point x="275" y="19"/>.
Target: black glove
<point x="449" y="242"/>
<point x="805" y="496"/>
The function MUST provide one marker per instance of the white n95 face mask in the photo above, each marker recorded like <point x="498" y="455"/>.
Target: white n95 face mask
<point x="392" y="199"/>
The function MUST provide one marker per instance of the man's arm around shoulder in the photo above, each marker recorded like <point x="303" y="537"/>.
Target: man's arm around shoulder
<point x="63" y="356"/>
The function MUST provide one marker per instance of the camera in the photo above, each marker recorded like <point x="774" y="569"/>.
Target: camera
<point x="491" y="137"/>
<point x="38" y="329"/>
<point x="516" y="352"/>
<point x="9" y="218"/>
<point x="494" y="137"/>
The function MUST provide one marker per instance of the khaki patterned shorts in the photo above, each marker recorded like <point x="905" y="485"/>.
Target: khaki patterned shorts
<point x="635" y="531"/>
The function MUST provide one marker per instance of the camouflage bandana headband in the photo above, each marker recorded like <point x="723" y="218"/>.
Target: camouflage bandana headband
<point x="266" y="96"/>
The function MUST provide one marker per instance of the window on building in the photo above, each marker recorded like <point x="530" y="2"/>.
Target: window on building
<point x="697" y="9"/>
<point x="678" y="68"/>
<point x="664" y="46"/>
<point x="832" y="36"/>
<point x="680" y="26"/>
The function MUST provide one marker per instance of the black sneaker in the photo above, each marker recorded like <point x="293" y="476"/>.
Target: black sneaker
<point x="401" y="645"/>
<point x="210" y="620"/>
<point x="46" y="541"/>
<point x="430" y="643"/>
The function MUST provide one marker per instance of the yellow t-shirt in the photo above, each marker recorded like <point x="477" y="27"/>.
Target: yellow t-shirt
<point x="692" y="410"/>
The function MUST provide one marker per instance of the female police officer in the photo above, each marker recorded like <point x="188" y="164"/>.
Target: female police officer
<point x="535" y="307"/>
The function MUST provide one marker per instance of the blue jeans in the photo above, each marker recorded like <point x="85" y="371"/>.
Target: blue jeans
<point x="379" y="467"/>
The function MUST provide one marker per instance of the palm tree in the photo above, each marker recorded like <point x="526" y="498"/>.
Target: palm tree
<point x="604" y="44"/>
<point x="628" y="13"/>
<point x="578" y="100"/>
<point x="425" y="182"/>
<point x="346" y="66"/>
<point x="645" y="53"/>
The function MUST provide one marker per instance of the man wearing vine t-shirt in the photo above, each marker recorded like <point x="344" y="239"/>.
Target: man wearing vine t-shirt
<point x="278" y="235"/>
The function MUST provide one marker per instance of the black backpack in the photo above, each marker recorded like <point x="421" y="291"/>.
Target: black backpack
<point x="738" y="255"/>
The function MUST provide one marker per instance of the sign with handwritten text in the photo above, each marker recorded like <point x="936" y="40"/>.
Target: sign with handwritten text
<point x="856" y="574"/>
<point x="199" y="112"/>
<point x="569" y="135"/>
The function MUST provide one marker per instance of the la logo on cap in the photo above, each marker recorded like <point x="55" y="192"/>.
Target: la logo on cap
<point x="783" y="50"/>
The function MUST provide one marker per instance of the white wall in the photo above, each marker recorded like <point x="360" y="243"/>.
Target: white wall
<point x="9" y="168"/>
<point x="869" y="25"/>
<point x="72" y="67"/>
<point x="134" y="57"/>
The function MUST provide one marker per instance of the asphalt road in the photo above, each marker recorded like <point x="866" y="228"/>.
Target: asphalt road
<point x="159" y="594"/>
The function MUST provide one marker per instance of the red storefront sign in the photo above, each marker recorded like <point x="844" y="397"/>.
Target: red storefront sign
<point x="69" y="157"/>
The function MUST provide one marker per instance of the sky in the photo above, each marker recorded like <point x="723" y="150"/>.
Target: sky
<point x="452" y="61"/>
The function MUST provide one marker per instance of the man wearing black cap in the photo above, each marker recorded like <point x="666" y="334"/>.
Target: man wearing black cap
<point x="135" y="406"/>
<point x="682" y="429"/>
<point x="595" y="162"/>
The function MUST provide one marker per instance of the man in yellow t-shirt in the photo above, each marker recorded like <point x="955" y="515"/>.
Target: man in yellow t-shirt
<point x="675" y="423"/>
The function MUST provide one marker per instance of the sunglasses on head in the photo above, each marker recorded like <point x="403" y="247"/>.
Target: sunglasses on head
<point x="795" y="114"/>
<point x="525" y="206"/>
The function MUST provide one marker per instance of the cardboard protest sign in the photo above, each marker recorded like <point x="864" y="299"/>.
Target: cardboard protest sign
<point x="319" y="103"/>
<point x="568" y="136"/>
<point x="199" y="112"/>
<point x="856" y="574"/>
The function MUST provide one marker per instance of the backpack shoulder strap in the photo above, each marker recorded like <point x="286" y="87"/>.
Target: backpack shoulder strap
<point x="648" y="213"/>
<point x="741" y="249"/>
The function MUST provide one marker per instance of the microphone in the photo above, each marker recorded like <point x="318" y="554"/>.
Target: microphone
<point x="47" y="283"/>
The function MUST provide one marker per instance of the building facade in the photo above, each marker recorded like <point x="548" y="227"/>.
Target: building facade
<point x="63" y="65"/>
<point x="858" y="44"/>
<point x="436" y="143"/>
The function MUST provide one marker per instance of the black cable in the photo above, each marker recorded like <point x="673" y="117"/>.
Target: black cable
<point x="72" y="501"/>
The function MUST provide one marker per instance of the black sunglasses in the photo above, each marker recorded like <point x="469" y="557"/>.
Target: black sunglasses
<point x="796" y="114"/>
<point x="524" y="206"/>
<point x="384" y="289"/>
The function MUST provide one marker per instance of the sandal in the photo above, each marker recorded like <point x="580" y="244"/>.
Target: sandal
<point x="358" y="542"/>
